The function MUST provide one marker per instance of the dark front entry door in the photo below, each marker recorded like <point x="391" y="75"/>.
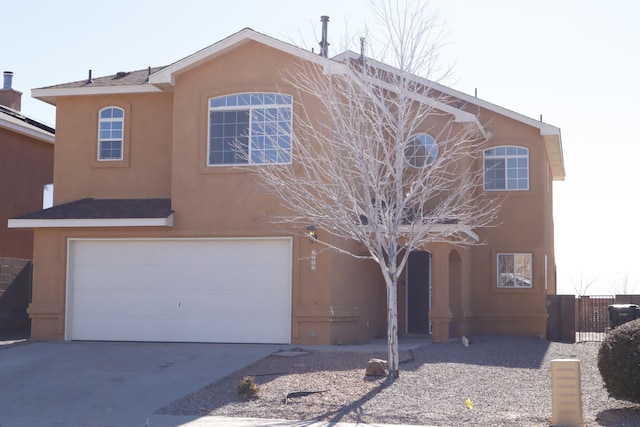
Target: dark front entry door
<point x="418" y="279"/>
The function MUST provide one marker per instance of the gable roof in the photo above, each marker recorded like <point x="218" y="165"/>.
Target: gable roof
<point x="163" y="79"/>
<point x="550" y="133"/>
<point x="15" y="121"/>
<point x="121" y="82"/>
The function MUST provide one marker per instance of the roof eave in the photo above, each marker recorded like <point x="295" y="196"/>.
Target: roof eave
<point x="553" y="145"/>
<point x="459" y="116"/>
<point x="545" y="128"/>
<point x="91" y="222"/>
<point x="50" y="95"/>
<point x="35" y="133"/>
<point x="165" y="78"/>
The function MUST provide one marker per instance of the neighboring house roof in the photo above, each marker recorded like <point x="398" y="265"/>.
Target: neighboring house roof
<point x="100" y="213"/>
<point x="163" y="79"/>
<point x="15" y="121"/>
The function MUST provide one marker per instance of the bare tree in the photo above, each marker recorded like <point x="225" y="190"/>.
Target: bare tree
<point x="623" y="285"/>
<point x="582" y="283"/>
<point x="384" y="160"/>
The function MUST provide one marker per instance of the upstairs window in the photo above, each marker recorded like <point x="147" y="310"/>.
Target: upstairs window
<point x="506" y="168"/>
<point x="421" y="150"/>
<point x="110" y="134"/>
<point x="250" y="129"/>
<point x="514" y="270"/>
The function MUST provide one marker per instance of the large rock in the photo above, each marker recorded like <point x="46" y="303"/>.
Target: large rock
<point x="377" y="368"/>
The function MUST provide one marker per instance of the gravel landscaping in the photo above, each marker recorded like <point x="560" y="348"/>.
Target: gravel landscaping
<point x="506" y="379"/>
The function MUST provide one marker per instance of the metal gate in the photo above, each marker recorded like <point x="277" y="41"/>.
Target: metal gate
<point x="592" y="317"/>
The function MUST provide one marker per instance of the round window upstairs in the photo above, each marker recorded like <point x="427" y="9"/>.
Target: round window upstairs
<point x="421" y="150"/>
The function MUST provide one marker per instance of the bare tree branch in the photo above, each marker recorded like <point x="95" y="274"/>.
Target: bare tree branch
<point x="581" y="284"/>
<point x="359" y="173"/>
<point x="623" y="285"/>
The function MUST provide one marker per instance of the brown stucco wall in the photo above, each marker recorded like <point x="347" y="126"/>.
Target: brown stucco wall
<point x="145" y="170"/>
<point x="343" y="300"/>
<point x="524" y="224"/>
<point x="26" y="165"/>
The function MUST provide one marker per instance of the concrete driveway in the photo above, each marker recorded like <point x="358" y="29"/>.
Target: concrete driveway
<point x="109" y="384"/>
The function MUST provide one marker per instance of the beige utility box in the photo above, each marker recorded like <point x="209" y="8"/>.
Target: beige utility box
<point x="566" y="393"/>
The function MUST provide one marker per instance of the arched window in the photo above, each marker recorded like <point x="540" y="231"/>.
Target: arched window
<point x="506" y="168"/>
<point x="250" y="129"/>
<point x="110" y="133"/>
<point x="421" y="150"/>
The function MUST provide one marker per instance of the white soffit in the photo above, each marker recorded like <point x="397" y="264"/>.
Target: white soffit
<point x="91" y="222"/>
<point x="49" y="95"/>
<point x="448" y="229"/>
<point x="17" y="126"/>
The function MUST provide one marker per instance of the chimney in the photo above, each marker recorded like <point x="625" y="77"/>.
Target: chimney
<point x="8" y="79"/>
<point x="324" y="43"/>
<point x="8" y="96"/>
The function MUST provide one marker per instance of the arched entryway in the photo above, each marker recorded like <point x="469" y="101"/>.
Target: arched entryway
<point x="418" y="295"/>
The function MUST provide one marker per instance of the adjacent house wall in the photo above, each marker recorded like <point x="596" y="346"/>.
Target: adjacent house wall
<point x="26" y="165"/>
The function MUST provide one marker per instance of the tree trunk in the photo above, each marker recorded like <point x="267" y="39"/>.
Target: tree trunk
<point x="392" y="326"/>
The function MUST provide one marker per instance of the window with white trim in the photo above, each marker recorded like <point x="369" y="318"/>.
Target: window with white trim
<point x="514" y="270"/>
<point x="506" y="168"/>
<point x="421" y="150"/>
<point x="110" y="134"/>
<point x="250" y="129"/>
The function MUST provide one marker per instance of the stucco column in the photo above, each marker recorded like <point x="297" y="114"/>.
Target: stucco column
<point x="440" y="312"/>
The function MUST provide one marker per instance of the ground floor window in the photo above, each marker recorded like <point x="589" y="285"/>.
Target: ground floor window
<point x="514" y="270"/>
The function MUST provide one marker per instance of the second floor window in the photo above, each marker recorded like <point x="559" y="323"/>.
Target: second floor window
<point x="421" y="150"/>
<point x="110" y="133"/>
<point x="506" y="168"/>
<point x="250" y="129"/>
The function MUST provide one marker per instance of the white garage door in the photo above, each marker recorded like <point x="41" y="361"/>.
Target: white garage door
<point x="221" y="290"/>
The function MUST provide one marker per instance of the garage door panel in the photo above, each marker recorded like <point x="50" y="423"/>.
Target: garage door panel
<point x="194" y="329"/>
<point x="183" y="277"/>
<point x="180" y="290"/>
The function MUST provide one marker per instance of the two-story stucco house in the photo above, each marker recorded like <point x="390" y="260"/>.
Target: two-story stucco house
<point x="156" y="234"/>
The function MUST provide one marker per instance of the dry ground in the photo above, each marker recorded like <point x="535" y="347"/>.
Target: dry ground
<point x="506" y="379"/>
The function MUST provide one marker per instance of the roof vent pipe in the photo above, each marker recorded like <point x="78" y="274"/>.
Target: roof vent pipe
<point x="362" y="56"/>
<point x="8" y="79"/>
<point x="324" y="43"/>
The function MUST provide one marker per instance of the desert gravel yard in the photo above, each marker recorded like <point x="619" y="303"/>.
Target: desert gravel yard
<point x="506" y="379"/>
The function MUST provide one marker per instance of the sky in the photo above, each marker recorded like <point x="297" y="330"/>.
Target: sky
<point x="575" y="62"/>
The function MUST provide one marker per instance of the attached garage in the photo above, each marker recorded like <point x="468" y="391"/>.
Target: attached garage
<point x="179" y="290"/>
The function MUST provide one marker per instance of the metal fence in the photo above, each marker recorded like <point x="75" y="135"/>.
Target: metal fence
<point x="592" y="317"/>
<point x="581" y="319"/>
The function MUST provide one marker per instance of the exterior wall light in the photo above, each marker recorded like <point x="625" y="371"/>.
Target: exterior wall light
<point x="311" y="232"/>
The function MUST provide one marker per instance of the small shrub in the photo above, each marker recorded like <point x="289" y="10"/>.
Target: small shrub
<point x="247" y="388"/>
<point x="619" y="362"/>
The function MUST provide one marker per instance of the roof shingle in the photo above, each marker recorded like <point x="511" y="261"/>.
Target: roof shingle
<point x="105" y="209"/>
<point x="126" y="78"/>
